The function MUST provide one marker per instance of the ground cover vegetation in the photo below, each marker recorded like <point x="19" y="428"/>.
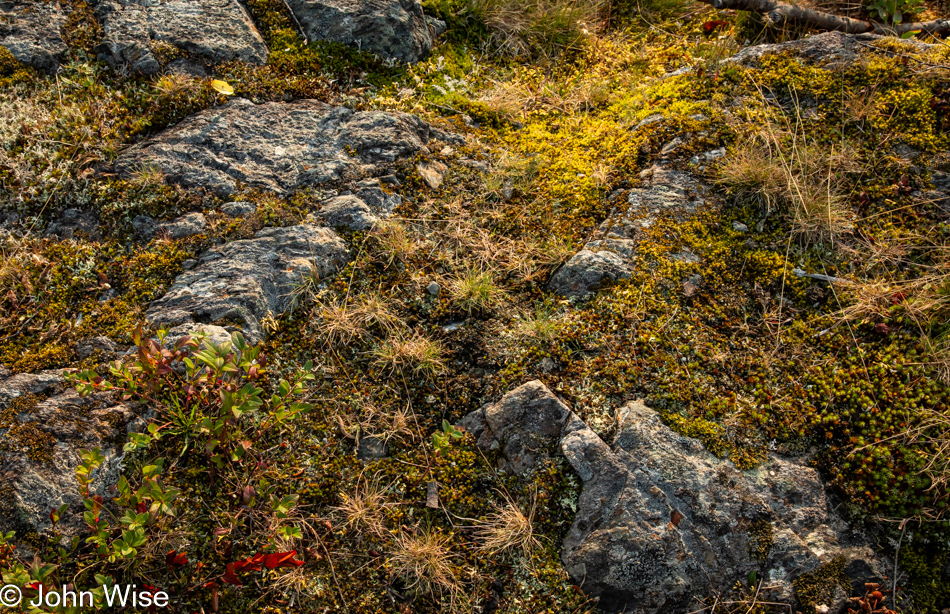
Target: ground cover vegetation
<point x="246" y="494"/>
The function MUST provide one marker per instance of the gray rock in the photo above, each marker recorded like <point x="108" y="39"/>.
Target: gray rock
<point x="598" y="263"/>
<point x="238" y="209"/>
<point x="660" y="519"/>
<point x="278" y="147"/>
<point x="433" y="173"/>
<point x="186" y="226"/>
<point x="372" y="447"/>
<point x="41" y="444"/>
<point x="379" y="199"/>
<point x="740" y="227"/>
<point x="395" y="29"/>
<point x="144" y="226"/>
<point x="348" y="212"/>
<point x="433" y="288"/>
<point x="672" y="146"/>
<point x="101" y="346"/>
<point x="664" y="192"/>
<point x="548" y="364"/>
<point x="31" y="31"/>
<point x="708" y="156"/>
<point x="212" y="30"/>
<point x="834" y="49"/>
<point x="246" y="280"/>
<point x="217" y="335"/>
<point x="72" y="221"/>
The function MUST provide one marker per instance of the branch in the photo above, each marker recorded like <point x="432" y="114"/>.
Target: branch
<point x="779" y="13"/>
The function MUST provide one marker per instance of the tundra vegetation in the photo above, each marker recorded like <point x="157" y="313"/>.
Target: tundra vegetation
<point x="245" y="493"/>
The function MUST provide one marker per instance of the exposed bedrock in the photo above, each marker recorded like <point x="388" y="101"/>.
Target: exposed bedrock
<point x="279" y="147"/>
<point x="661" y="520"/>
<point x="138" y="35"/>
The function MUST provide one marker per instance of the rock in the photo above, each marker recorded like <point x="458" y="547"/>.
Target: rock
<point x="664" y="191"/>
<point x="598" y="263"/>
<point x="136" y="33"/>
<point x="381" y="201"/>
<point x="708" y="156"/>
<point x="740" y="227"/>
<point x="102" y="347"/>
<point x="217" y="335"/>
<point x="433" y="288"/>
<point x="238" y="209"/>
<point x="672" y="146"/>
<point x="72" y="221"/>
<point x="186" y="226"/>
<point x="692" y="285"/>
<point x="437" y="26"/>
<point x="548" y="365"/>
<point x="660" y="519"/>
<point x="244" y="281"/>
<point x="372" y="447"/>
<point x="834" y="49"/>
<point x="278" y="147"/>
<point x="433" y="173"/>
<point x="45" y="426"/>
<point x="348" y="212"/>
<point x="392" y="29"/>
<point x="31" y="31"/>
<point x="144" y="226"/>
<point x="525" y="424"/>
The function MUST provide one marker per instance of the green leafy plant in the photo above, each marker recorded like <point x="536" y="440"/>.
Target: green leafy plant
<point x="442" y="439"/>
<point x="894" y="11"/>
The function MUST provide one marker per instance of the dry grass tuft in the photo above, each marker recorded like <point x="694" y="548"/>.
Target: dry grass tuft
<point x="394" y="242"/>
<point x="424" y="561"/>
<point x="538" y="28"/>
<point x="475" y="290"/>
<point x="365" y="509"/>
<point x="415" y="355"/>
<point x="509" y="529"/>
<point x="341" y="323"/>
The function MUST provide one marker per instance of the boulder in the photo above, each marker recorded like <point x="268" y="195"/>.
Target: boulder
<point x="348" y="212"/>
<point x="598" y="263"/>
<point x="660" y="520"/>
<point x="244" y="281"/>
<point x="185" y="226"/>
<point x="279" y="147"/>
<point x="381" y="200"/>
<point x="138" y="33"/>
<point x="44" y="426"/>
<point x="31" y="31"/>
<point x="392" y="29"/>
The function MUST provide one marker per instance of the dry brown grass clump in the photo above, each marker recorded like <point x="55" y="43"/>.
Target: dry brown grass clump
<point x="412" y="355"/>
<point x="341" y="322"/>
<point x="538" y="28"/>
<point x="364" y="510"/>
<point x="509" y="529"/>
<point x="423" y="559"/>
<point x="783" y="170"/>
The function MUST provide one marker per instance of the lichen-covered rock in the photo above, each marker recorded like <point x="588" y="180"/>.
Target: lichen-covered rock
<point x="661" y="520"/>
<point x="347" y="211"/>
<point x="243" y="281"/>
<point x="598" y="263"/>
<point x="137" y="33"/>
<point x="44" y="426"/>
<point x="185" y="226"/>
<point x="278" y="147"/>
<point x="31" y="31"/>
<point x="72" y="221"/>
<point x="392" y="29"/>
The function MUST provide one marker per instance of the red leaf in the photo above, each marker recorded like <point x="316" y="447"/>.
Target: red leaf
<point x="230" y="576"/>
<point x="252" y="563"/>
<point x="710" y="26"/>
<point x="141" y="507"/>
<point x="176" y="559"/>
<point x="282" y="559"/>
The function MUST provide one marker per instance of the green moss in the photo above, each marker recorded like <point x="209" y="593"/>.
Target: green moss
<point x="761" y="539"/>
<point x="818" y="587"/>
<point x="8" y="63"/>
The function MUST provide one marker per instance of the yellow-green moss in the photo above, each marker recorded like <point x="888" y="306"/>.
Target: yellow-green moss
<point x="818" y="587"/>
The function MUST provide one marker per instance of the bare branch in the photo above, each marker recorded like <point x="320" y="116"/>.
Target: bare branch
<point x="780" y="13"/>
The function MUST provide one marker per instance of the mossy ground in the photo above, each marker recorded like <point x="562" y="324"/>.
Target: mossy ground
<point x="757" y="361"/>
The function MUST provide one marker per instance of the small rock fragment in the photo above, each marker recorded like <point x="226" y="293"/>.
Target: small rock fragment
<point x="238" y="208"/>
<point x="740" y="227"/>
<point x="433" y="288"/>
<point x="433" y="173"/>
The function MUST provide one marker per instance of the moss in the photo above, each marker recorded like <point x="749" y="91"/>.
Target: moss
<point x="818" y="587"/>
<point x="761" y="539"/>
<point x="8" y="63"/>
<point x="25" y="437"/>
